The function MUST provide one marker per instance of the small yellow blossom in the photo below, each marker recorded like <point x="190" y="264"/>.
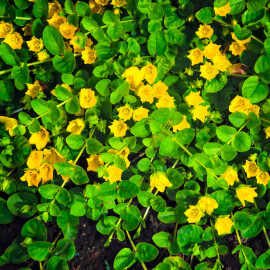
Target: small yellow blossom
<point x="166" y="101"/>
<point x="95" y="8"/>
<point x="221" y="62"/>
<point x="76" y="46"/>
<point x="251" y="168"/>
<point x="35" y="44"/>
<point x="115" y="174"/>
<point x="89" y="56"/>
<point x="237" y="48"/>
<point x="102" y="2"/>
<point x="211" y="50"/>
<point x="43" y="55"/>
<point x="140" y="113"/>
<point x="119" y="3"/>
<point x="263" y="178"/>
<point x="118" y="128"/>
<point x="5" y="29"/>
<point x="223" y="225"/>
<point x="159" y="181"/>
<point x="46" y="172"/>
<point x="239" y="104"/>
<point x="246" y="193"/>
<point x="56" y="20"/>
<point x="150" y="73"/>
<point x="183" y="125"/>
<point x="159" y="89"/>
<point x="34" y="160"/>
<point x="196" y="56"/>
<point x="27" y="29"/>
<point x="194" y="214"/>
<point x="9" y="124"/>
<point x="52" y="156"/>
<point x="194" y="98"/>
<point x="245" y="41"/>
<point x="253" y="108"/>
<point x="32" y="177"/>
<point x="133" y="76"/>
<point x="267" y="132"/>
<point x="145" y="93"/>
<point x="223" y="11"/>
<point x="200" y="112"/>
<point x="67" y="30"/>
<point x="87" y="98"/>
<point x="75" y="126"/>
<point x="124" y="153"/>
<point x="54" y="8"/>
<point x="205" y="31"/>
<point x="208" y="71"/>
<point x="125" y="112"/>
<point x="230" y="176"/>
<point x="40" y="139"/>
<point x="94" y="162"/>
<point x="207" y="204"/>
<point x="33" y="89"/>
<point x="14" y="40"/>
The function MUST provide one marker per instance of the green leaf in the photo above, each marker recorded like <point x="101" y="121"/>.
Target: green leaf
<point x="82" y="9"/>
<point x="254" y="90"/>
<point x="78" y="209"/>
<point x="144" y="165"/>
<point x="127" y="189"/>
<point x="241" y="33"/>
<point x="56" y="263"/>
<point x="124" y="259"/>
<point x="114" y="31"/>
<point x="20" y="74"/>
<point x="48" y="191"/>
<point x="168" y="147"/>
<point x="22" y="4"/>
<point x="141" y="129"/>
<point x="185" y="136"/>
<point x="40" y="106"/>
<point x="106" y="51"/>
<point x="146" y="252"/>
<point x="73" y="106"/>
<point x="66" y="63"/>
<point x="225" y="133"/>
<point x="7" y="90"/>
<point x="241" y="142"/>
<point x="162" y="239"/>
<point x="189" y="234"/>
<point x="161" y="115"/>
<point x="62" y="93"/>
<point x="156" y="44"/>
<point x="263" y="261"/>
<point x="34" y="229"/>
<point x="158" y="204"/>
<point x="205" y="15"/>
<point x="75" y="141"/>
<point x="212" y="148"/>
<point x="267" y="46"/>
<point x="175" y="178"/>
<point x="238" y="119"/>
<point x="39" y="250"/>
<point x="8" y="55"/>
<point x="41" y="9"/>
<point x="225" y="201"/>
<point x="228" y="153"/>
<point x="64" y="168"/>
<point x="103" y="87"/>
<point x="93" y="147"/>
<point x="156" y="12"/>
<point x="173" y="36"/>
<point x="5" y="215"/>
<point x="255" y="5"/>
<point x="53" y="40"/>
<point x="107" y="224"/>
<point x="242" y="221"/>
<point x="110" y="18"/>
<point x="79" y="176"/>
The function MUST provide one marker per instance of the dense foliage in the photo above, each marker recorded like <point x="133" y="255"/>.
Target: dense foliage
<point x="167" y="102"/>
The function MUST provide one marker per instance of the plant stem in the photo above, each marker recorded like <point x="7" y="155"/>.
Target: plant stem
<point x="135" y="249"/>
<point x="175" y="229"/>
<point x="240" y="242"/>
<point x="175" y="163"/>
<point x="264" y="120"/>
<point x="18" y="18"/>
<point x="216" y="246"/>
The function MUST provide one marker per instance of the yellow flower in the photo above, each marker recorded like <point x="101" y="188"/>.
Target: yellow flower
<point x="133" y="76"/>
<point x="75" y="126"/>
<point x="5" y="29"/>
<point x="251" y="168"/>
<point x="34" y="160"/>
<point x="9" y="124"/>
<point x="166" y="101"/>
<point x="27" y="29"/>
<point x="76" y="46"/>
<point x="263" y="178"/>
<point x="119" y="3"/>
<point x="211" y="50"/>
<point x="32" y="177"/>
<point x="67" y="30"/>
<point x="240" y="41"/>
<point x="159" y="89"/>
<point x="196" y="56"/>
<point x="52" y="156"/>
<point x="223" y="225"/>
<point x="246" y="193"/>
<point x="237" y="48"/>
<point x="35" y="44"/>
<point x="42" y="56"/>
<point x="145" y="93"/>
<point x="118" y="128"/>
<point x="87" y="98"/>
<point x="46" y="172"/>
<point x="94" y="162"/>
<point x="122" y="153"/>
<point x="14" y="40"/>
<point x="150" y="73"/>
<point x="183" y="125"/>
<point x="89" y="56"/>
<point x="115" y="174"/>
<point x="253" y="108"/>
<point x="223" y="11"/>
<point x="221" y="62"/>
<point x="140" y="113"/>
<point x="194" y="98"/>
<point x="102" y="2"/>
<point x="207" y="204"/>
<point x="230" y="176"/>
<point x="205" y="31"/>
<point x="239" y="104"/>
<point x="54" y="8"/>
<point x="200" y="112"/>
<point x="267" y="132"/>
<point x="33" y="89"/>
<point x="194" y="214"/>
<point x="40" y="139"/>
<point x="208" y="71"/>
<point x="125" y="112"/>
<point x="159" y="181"/>
<point x="95" y="8"/>
<point x="56" y="20"/>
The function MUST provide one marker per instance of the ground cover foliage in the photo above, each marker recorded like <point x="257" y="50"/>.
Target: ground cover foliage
<point x="167" y="101"/>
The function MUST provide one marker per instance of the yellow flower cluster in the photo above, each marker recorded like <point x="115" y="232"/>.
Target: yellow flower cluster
<point x="240" y="104"/>
<point x="159" y="181"/>
<point x="33" y="89"/>
<point x="196" y="212"/>
<point x="117" y="3"/>
<point x="40" y="139"/>
<point x="230" y="176"/>
<point x="223" y="225"/>
<point x="9" y="124"/>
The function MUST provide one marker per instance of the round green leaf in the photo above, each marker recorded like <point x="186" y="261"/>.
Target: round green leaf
<point x="241" y="142"/>
<point x="146" y="252"/>
<point x="53" y="40"/>
<point x="39" y="250"/>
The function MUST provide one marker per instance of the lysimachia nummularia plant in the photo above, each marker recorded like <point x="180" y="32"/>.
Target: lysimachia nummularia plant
<point x="164" y="103"/>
